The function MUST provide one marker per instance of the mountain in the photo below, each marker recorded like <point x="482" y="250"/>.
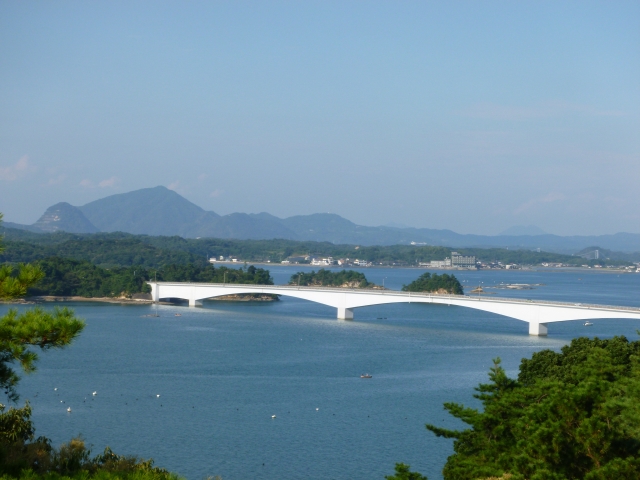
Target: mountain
<point x="518" y="230"/>
<point x="249" y="227"/>
<point x="151" y="211"/>
<point x="65" y="217"/>
<point x="160" y="211"/>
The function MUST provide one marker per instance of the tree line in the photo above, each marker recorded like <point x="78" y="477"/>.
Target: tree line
<point x="67" y="277"/>
<point x="122" y="249"/>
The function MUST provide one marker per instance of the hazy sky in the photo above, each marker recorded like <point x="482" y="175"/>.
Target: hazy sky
<point x="473" y="116"/>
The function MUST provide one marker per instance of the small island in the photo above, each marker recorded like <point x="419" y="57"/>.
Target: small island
<point x="434" y="283"/>
<point x="327" y="278"/>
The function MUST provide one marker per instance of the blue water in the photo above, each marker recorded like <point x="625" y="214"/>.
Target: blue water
<point x="223" y="370"/>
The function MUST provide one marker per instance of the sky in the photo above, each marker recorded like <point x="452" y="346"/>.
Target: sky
<point x="471" y="116"/>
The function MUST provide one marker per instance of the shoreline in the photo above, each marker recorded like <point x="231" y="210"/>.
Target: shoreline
<point x="527" y="268"/>
<point x="123" y="300"/>
<point x="73" y="298"/>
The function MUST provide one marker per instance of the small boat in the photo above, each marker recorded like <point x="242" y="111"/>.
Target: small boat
<point x="588" y="324"/>
<point x="365" y="375"/>
<point x="69" y="409"/>
<point x="178" y="314"/>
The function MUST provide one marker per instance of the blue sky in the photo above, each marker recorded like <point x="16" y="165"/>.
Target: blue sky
<point x="472" y="116"/>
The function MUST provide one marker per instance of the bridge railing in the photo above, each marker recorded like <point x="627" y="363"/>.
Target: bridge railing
<point x="377" y="291"/>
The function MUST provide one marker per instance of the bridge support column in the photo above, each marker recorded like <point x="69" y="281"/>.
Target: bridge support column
<point x="195" y="303"/>
<point x="345" y="313"/>
<point x="539" y="329"/>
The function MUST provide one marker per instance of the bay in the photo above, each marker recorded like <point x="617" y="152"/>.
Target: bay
<point x="223" y="370"/>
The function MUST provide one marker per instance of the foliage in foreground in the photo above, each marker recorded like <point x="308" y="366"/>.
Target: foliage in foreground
<point x="26" y="457"/>
<point x="569" y="415"/>
<point x="21" y="454"/>
<point x="328" y="278"/>
<point x="403" y="472"/>
<point x="20" y="333"/>
<point x="435" y="283"/>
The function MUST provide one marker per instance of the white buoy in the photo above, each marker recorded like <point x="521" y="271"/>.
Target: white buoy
<point x="69" y="409"/>
<point x="55" y="389"/>
<point x="317" y="409"/>
<point x="273" y="416"/>
<point x="158" y="396"/>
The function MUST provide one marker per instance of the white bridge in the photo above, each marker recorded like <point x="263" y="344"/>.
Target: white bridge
<point x="538" y="313"/>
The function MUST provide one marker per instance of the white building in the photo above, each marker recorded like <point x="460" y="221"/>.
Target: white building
<point x="446" y="263"/>
<point x="459" y="260"/>
<point x="323" y="262"/>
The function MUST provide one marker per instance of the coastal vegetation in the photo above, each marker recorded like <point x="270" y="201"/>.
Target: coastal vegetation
<point x="568" y="415"/>
<point x="125" y="250"/>
<point x="434" y="283"/>
<point x="328" y="278"/>
<point x="67" y="277"/>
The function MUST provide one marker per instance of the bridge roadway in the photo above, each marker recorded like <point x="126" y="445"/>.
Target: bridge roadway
<point x="538" y="313"/>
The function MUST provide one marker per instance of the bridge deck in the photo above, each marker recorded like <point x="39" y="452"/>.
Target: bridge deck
<point x="538" y="313"/>
<point x="377" y="291"/>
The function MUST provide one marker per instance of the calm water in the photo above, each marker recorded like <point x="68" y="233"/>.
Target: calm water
<point x="223" y="370"/>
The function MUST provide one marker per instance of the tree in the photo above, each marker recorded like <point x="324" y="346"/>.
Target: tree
<point x="21" y="454"/>
<point x="570" y="415"/>
<point x="403" y="473"/>
<point x="20" y="333"/>
<point x="328" y="278"/>
<point x="15" y="282"/>
<point x="428" y="282"/>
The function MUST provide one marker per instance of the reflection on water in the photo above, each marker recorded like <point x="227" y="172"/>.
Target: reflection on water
<point x="222" y="371"/>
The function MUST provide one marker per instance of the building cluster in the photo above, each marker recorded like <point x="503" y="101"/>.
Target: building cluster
<point x="495" y="265"/>
<point x="326" y="261"/>
<point x="456" y="261"/>
<point x="224" y="259"/>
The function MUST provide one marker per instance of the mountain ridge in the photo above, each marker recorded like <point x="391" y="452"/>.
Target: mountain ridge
<point x="159" y="211"/>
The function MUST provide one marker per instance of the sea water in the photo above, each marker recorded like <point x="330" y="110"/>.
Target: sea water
<point x="199" y="392"/>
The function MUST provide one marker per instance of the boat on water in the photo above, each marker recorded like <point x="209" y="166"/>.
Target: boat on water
<point x="365" y="375"/>
<point x="588" y="324"/>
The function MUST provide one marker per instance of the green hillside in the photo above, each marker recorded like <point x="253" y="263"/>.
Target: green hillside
<point x="123" y="249"/>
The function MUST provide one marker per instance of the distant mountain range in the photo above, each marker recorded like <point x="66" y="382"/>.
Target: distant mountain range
<point x="160" y="211"/>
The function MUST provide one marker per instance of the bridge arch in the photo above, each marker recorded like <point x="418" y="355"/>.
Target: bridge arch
<point x="537" y="313"/>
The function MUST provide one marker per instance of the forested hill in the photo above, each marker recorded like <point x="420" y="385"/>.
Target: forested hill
<point x="66" y="277"/>
<point x="122" y="249"/>
<point x="328" y="278"/>
<point x="434" y="283"/>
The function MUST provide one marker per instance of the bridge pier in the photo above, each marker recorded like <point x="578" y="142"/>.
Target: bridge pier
<point x="345" y="313"/>
<point x="539" y="329"/>
<point x="195" y="303"/>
